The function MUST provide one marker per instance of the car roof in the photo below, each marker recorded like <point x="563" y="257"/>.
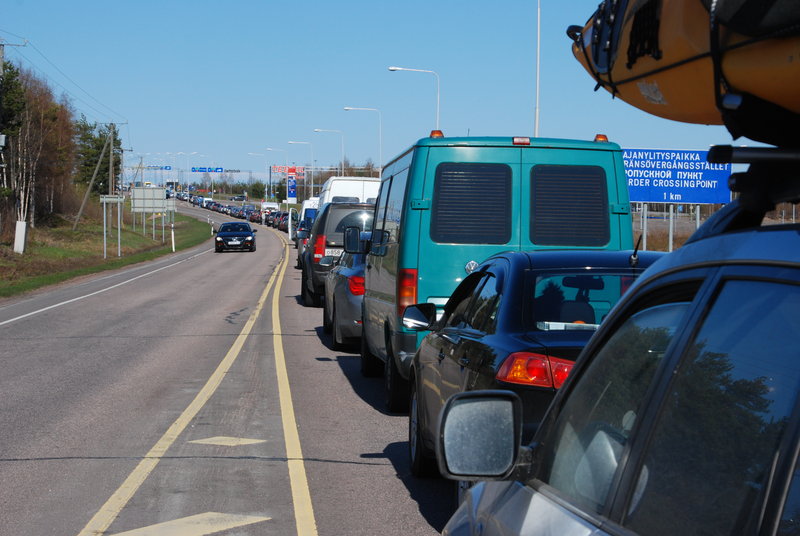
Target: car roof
<point x="553" y="259"/>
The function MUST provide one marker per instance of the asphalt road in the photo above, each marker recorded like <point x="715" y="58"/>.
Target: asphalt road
<point x="195" y="394"/>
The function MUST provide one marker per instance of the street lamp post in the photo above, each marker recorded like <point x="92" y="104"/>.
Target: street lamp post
<point x="341" y="168"/>
<point x="266" y="164"/>
<point x="311" y="147"/>
<point x="434" y="73"/>
<point x="380" y="135"/>
<point x="285" y="164"/>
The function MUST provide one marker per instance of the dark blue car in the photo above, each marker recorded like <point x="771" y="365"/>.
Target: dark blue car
<point x="517" y="322"/>
<point x="235" y="236"/>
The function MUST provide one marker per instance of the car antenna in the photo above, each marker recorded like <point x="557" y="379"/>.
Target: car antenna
<point x="634" y="258"/>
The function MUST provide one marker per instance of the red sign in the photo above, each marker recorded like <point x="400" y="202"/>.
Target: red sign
<point x="293" y="170"/>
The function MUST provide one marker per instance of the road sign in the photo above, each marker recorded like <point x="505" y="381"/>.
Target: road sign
<point x="207" y="170"/>
<point x="292" y="170"/>
<point x="681" y="177"/>
<point x="111" y="199"/>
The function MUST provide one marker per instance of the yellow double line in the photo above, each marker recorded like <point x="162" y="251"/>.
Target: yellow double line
<point x="301" y="496"/>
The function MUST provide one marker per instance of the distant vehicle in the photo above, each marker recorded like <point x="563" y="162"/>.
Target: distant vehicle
<point x="344" y="294"/>
<point x="327" y="240"/>
<point x="349" y="190"/>
<point x="446" y="204"/>
<point x="517" y="322"/>
<point x="239" y="198"/>
<point x="235" y="236"/>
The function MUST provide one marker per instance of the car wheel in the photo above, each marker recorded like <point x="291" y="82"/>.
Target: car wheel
<point x="395" y="386"/>
<point x="421" y="459"/>
<point x="371" y="366"/>
<point x="326" y="319"/>
<point x="304" y="297"/>
<point x="338" y="340"/>
<point x="218" y="250"/>
<point x="252" y="248"/>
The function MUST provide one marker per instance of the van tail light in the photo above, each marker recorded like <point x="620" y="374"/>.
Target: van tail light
<point x="319" y="248"/>
<point x="356" y="285"/>
<point x="406" y="289"/>
<point x="538" y="370"/>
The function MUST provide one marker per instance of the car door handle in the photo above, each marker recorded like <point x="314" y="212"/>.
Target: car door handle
<point x="463" y="361"/>
<point x="440" y="355"/>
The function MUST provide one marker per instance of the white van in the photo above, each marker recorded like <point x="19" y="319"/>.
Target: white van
<point x="269" y="206"/>
<point x="349" y="190"/>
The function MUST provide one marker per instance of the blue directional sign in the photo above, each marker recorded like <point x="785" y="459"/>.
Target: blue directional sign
<point x="291" y="188"/>
<point x="206" y="170"/>
<point x="667" y="176"/>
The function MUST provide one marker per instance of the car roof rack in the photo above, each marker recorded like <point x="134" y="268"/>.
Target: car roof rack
<point x="773" y="177"/>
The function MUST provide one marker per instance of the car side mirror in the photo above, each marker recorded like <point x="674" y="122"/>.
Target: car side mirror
<point x="479" y="435"/>
<point x="302" y="234"/>
<point x="419" y="317"/>
<point x="327" y="261"/>
<point x="352" y="241"/>
<point x="255" y="230"/>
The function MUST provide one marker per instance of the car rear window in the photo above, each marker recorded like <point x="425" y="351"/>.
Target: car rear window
<point x="471" y="204"/>
<point x="339" y="219"/>
<point x="566" y="300"/>
<point x="569" y="206"/>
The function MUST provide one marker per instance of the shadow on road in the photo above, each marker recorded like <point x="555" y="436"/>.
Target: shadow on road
<point x="435" y="496"/>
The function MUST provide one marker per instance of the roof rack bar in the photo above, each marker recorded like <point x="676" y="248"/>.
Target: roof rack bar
<point x="727" y="154"/>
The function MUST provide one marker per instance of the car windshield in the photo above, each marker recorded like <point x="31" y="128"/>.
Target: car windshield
<point x="234" y="228"/>
<point x="577" y="299"/>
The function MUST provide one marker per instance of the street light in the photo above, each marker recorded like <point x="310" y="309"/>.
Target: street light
<point x="311" y="147"/>
<point x="285" y="164"/>
<point x="380" y="135"/>
<point x="266" y="164"/>
<point x="341" y="172"/>
<point x="434" y="73"/>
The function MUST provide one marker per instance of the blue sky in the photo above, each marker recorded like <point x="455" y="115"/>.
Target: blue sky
<point x="224" y="79"/>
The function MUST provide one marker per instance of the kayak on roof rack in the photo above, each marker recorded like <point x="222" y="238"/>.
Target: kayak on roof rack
<point x="731" y="62"/>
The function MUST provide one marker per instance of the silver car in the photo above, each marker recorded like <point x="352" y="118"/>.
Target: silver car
<point x="344" y="294"/>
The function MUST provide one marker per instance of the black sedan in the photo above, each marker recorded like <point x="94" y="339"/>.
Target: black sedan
<point x="236" y="236"/>
<point x="517" y="322"/>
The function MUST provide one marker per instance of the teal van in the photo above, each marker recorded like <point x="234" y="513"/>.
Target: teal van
<point x="446" y="204"/>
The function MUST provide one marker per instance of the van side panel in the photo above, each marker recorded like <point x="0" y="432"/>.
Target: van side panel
<point x="380" y="304"/>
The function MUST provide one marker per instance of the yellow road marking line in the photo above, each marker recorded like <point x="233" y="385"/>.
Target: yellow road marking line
<point x="114" y="505"/>
<point x="198" y="525"/>
<point x="301" y="496"/>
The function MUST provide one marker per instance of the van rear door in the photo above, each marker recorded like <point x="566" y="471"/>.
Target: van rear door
<point x="470" y="206"/>
<point x="574" y="198"/>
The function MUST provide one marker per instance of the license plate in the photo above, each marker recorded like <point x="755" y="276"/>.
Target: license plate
<point x="333" y="252"/>
<point x="234" y="242"/>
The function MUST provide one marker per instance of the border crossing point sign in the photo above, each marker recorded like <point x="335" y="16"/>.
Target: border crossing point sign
<point x="679" y="177"/>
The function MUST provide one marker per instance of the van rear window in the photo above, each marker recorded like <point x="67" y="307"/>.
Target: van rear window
<point x="569" y="206"/>
<point x="471" y="204"/>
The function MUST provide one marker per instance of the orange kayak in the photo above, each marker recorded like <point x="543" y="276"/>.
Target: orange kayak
<point x="656" y="56"/>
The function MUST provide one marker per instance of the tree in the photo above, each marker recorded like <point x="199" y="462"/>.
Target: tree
<point x="90" y="139"/>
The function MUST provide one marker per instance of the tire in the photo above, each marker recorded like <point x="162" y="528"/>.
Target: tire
<point x="421" y="459"/>
<point x="253" y="248"/>
<point x="306" y="299"/>
<point x="371" y="366"/>
<point x="326" y="322"/>
<point x="396" y="388"/>
<point x="338" y="342"/>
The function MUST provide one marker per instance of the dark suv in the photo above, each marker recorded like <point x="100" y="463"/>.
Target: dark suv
<point x="681" y="416"/>
<point x="327" y="240"/>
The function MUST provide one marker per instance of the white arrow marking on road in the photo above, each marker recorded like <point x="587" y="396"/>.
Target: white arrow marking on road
<point x="197" y="525"/>
<point x="228" y="441"/>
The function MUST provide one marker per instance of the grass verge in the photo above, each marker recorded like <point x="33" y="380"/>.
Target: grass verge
<point x="57" y="253"/>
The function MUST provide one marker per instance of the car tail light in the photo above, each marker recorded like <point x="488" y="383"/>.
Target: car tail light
<point x="319" y="248"/>
<point x="538" y="370"/>
<point x="521" y="140"/>
<point x="406" y="289"/>
<point x="356" y="285"/>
